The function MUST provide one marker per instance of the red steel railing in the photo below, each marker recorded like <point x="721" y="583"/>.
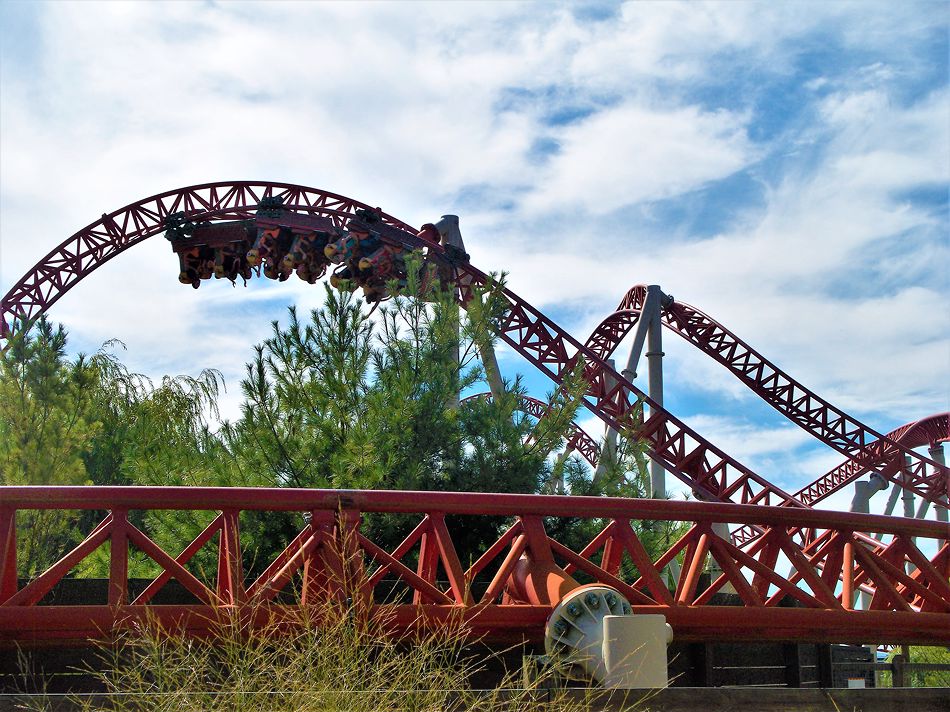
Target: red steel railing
<point x="423" y="577"/>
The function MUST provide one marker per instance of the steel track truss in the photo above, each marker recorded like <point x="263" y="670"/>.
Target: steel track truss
<point x="925" y="432"/>
<point x="423" y="581"/>
<point x="864" y="447"/>
<point x="701" y="465"/>
<point x="576" y="440"/>
<point x="115" y="232"/>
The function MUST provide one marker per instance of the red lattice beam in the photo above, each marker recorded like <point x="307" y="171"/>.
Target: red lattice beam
<point x="115" y="232"/>
<point x="577" y="438"/>
<point x="682" y="451"/>
<point x="924" y="432"/>
<point x="611" y="397"/>
<point x="863" y="446"/>
<point x="332" y="557"/>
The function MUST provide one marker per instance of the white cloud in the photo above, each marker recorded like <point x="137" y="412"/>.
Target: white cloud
<point x="630" y="154"/>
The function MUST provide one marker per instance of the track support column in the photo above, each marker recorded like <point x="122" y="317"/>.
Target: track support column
<point x="863" y="491"/>
<point x="608" y="454"/>
<point x="907" y="497"/>
<point x="655" y="375"/>
<point x="650" y="331"/>
<point x="940" y="508"/>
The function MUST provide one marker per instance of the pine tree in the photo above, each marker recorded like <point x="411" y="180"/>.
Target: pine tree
<point x="347" y="398"/>
<point x="46" y="424"/>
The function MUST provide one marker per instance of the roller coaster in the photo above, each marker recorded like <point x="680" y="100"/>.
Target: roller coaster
<point x="792" y="572"/>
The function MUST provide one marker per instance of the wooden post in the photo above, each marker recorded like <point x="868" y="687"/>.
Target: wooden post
<point x="793" y="665"/>
<point x="897" y="664"/>
<point x="8" y="569"/>
<point x="428" y="562"/>
<point x="701" y="657"/>
<point x="826" y="676"/>
<point x="119" y="559"/>
<point x="230" y="586"/>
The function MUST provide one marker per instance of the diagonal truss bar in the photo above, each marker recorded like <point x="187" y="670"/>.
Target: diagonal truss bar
<point x="183" y="558"/>
<point x="33" y="592"/>
<point x="906" y="606"/>
<point x="171" y="567"/>
<point x="865" y="448"/>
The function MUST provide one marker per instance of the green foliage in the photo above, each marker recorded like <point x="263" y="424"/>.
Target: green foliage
<point x="927" y="655"/>
<point x="343" y="399"/>
<point x="47" y="423"/>
<point x="625" y="474"/>
<point x="90" y="420"/>
<point x="45" y="410"/>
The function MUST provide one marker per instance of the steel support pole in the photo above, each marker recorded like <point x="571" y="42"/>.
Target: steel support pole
<point x="557" y="485"/>
<point x="889" y="507"/>
<point x="455" y="399"/>
<point x="451" y="237"/>
<point x="608" y="454"/>
<point x="639" y="338"/>
<point x="864" y="490"/>
<point x="861" y="503"/>
<point x="907" y="496"/>
<point x="655" y="368"/>
<point x="649" y="331"/>
<point x="940" y="508"/>
<point x="892" y="499"/>
<point x="492" y="372"/>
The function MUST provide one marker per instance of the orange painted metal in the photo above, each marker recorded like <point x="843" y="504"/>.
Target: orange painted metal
<point x="512" y="586"/>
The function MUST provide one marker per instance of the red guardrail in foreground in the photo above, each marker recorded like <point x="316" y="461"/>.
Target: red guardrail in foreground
<point x="423" y="578"/>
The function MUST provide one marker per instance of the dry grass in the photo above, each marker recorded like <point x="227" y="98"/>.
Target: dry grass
<point x="329" y="659"/>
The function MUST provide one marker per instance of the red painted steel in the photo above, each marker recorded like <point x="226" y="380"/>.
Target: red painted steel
<point x="927" y="431"/>
<point x="861" y="444"/>
<point x="681" y="450"/>
<point x="331" y="556"/>
<point x="577" y="438"/>
<point x="703" y="466"/>
<point x="115" y="232"/>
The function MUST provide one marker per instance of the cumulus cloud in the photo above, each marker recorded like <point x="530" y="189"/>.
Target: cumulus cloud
<point x="630" y="154"/>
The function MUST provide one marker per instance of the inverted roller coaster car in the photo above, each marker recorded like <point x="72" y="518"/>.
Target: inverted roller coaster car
<point x="209" y="249"/>
<point x="352" y="246"/>
<point x="371" y="254"/>
<point x="269" y="249"/>
<point x="306" y="257"/>
<point x="342" y="279"/>
<point x="278" y="242"/>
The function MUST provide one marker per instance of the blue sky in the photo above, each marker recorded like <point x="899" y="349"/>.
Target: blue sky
<point x="782" y="166"/>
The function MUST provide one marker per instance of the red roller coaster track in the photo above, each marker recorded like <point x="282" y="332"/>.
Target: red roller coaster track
<point x="865" y="448"/>
<point x="905" y="606"/>
<point x="577" y="438"/>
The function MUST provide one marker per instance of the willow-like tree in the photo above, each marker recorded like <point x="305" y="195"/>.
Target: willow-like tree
<point x="87" y="420"/>
<point x="350" y="399"/>
<point x="45" y="427"/>
<point x="347" y="398"/>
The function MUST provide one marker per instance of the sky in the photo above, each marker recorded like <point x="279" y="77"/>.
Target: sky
<point x="784" y="167"/>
